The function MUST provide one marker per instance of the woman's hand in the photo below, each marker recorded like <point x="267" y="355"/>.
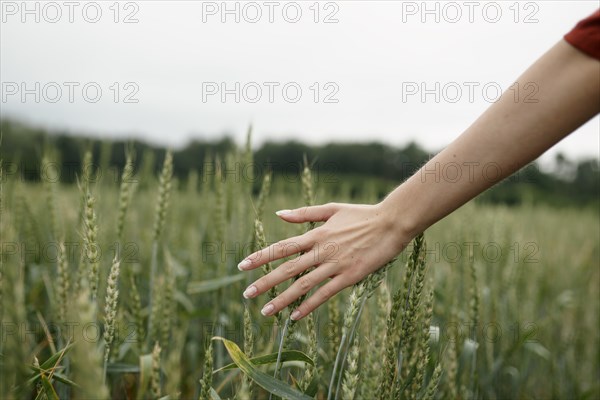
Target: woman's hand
<point x="354" y="241"/>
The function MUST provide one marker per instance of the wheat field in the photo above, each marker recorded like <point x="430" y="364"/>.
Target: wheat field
<point x="125" y="286"/>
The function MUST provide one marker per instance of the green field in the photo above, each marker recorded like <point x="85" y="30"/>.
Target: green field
<point x="499" y="302"/>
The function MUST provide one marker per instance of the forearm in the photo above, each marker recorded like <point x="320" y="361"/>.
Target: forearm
<point x="509" y="135"/>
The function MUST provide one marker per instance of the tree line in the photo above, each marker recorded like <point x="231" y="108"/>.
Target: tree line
<point x="349" y="167"/>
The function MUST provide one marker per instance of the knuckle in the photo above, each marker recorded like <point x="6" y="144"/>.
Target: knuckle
<point x="319" y="234"/>
<point x="304" y="210"/>
<point x="325" y="232"/>
<point x="290" y="246"/>
<point x="279" y="246"/>
<point x="289" y="270"/>
<point x="305" y="283"/>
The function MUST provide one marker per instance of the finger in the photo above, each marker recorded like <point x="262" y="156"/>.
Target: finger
<point x="285" y="271"/>
<point x="302" y="286"/>
<point x="283" y="248"/>
<point x="320" y="296"/>
<point x="309" y="214"/>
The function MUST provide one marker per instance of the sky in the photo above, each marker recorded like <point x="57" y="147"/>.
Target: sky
<point x="168" y="72"/>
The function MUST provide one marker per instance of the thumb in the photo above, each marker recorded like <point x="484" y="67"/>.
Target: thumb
<point x="309" y="214"/>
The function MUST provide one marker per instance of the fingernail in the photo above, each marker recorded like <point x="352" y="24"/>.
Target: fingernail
<point x="295" y="315"/>
<point x="250" y="291"/>
<point x="283" y="212"/>
<point x="267" y="310"/>
<point x="244" y="264"/>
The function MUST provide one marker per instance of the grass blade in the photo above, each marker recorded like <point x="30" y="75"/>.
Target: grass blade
<point x="288" y="355"/>
<point x="265" y="381"/>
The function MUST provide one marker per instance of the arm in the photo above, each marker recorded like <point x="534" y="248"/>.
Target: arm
<point x="509" y="135"/>
<point x="356" y="240"/>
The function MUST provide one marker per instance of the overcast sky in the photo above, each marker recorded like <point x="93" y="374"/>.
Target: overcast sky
<point x="335" y="71"/>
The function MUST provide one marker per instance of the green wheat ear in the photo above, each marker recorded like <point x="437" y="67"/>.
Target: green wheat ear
<point x="351" y="375"/>
<point x="164" y="195"/>
<point x="311" y="372"/>
<point x="206" y="381"/>
<point x="63" y="282"/>
<point x="110" y="308"/>
<point x="155" y="384"/>
<point x="91" y="247"/>
<point x="162" y="204"/>
<point x="135" y="305"/>
<point x="125" y="193"/>
<point x="265" y="189"/>
<point x="375" y="352"/>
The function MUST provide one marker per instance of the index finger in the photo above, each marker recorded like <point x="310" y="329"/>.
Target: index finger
<point x="283" y="248"/>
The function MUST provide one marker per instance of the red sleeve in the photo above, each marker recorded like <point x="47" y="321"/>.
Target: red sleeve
<point x="586" y="35"/>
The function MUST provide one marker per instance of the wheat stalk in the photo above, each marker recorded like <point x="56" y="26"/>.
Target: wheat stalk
<point x="265" y="189"/>
<point x="402" y="295"/>
<point x="350" y="315"/>
<point x="411" y="310"/>
<point x="135" y="305"/>
<point x="375" y="352"/>
<point x="173" y="364"/>
<point x="311" y="371"/>
<point x="248" y="163"/>
<point x="169" y="305"/>
<point x="63" y="283"/>
<point x="162" y="204"/>
<point x="125" y="195"/>
<point x="110" y="309"/>
<point x="351" y="374"/>
<point x="91" y="247"/>
<point x="86" y="169"/>
<point x="155" y="377"/>
<point x="333" y="326"/>
<point x="432" y="386"/>
<point x="164" y="195"/>
<point x="206" y="381"/>
<point x="154" y="330"/>
<point x="420" y="356"/>
<point x="451" y="370"/>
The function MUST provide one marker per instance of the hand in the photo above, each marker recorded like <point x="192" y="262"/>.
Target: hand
<point x="354" y="241"/>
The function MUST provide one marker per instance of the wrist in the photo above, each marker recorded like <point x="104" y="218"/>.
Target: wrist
<point x="401" y="215"/>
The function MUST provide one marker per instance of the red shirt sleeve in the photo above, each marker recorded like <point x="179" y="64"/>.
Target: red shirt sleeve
<point x="586" y="35"/>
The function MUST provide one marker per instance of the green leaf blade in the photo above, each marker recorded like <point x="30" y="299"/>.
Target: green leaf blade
<point x="263" y="380"/>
